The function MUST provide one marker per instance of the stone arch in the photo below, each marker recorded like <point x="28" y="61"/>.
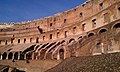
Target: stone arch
<point x="62" y="41"/>
<point x="91" y="34"/>
<point x="72" y="39"/>
<point x="61" y="54"/>
<point x="56" y="54"/>
<point x="22" y="56"/>
<point x="29" y="55"/>
<point x="49" y="50"/>
<point x="4" y="56"/>
<point x="80" y="37"/>
<point x="116" y="26"/>
<point x="10" y="55"/>
<point x="16" y="56"/>
<point x="102" y="30"/>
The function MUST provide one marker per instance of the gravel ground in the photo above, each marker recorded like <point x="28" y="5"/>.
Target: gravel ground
<point x="100" y="63"/>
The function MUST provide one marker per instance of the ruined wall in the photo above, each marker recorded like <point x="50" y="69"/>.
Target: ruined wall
<point x="51" y="37"/>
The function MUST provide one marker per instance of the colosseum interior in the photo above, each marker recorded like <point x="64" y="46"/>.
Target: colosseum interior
<point x="92" y="28"/>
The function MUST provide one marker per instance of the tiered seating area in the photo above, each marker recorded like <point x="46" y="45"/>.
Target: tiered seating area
<point x="98" y="63"/>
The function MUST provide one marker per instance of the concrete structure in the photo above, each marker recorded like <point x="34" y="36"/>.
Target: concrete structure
<point x="90" y="29"/>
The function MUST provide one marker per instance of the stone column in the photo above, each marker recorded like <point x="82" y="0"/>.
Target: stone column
<point x="102" y="48"/>
<point x="58" y="56"/>
<point x="7" y="56"/>
<point x="25" y="56"/>
<point x="18" y="55"/>
<point x="13" y="56"/>
<point x="33" y="56"/>
<point x="1" y="57"/>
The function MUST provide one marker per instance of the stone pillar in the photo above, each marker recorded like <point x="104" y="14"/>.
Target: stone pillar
<point x="10" y="69"/>
<point x="13" y="56"/>
<point x="58" y="56"/>
<point x="18" y="55"/>
<point x="102" y="48"/>
<point x="33" y="56"/>
<point x="25" y="56"/>
<point x="1" y="57"/>
<point x="7" y="56"/>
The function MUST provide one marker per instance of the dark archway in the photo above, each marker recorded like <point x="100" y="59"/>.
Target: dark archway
<point x="10" y="55"/>
<point x="71" y="40"/>
<point x="37" y="40"/>
<point x="116" y="26"/>
<point x="22" y="55"/>
<point x="16" y="56"/>
<point x="61" y="53"/>
<point x="4" y="55"/>
<point x="29" y="56"/>
<point x="90" y="34"/>
<point x="63" y="41"/>
<point x="102" y="31"/>
<point x="80" y="37"/>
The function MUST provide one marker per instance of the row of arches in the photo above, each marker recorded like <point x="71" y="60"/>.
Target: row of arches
<point x="11" y="56"/>
<point x="61" y="51"/>
<point x="100" y="31"/>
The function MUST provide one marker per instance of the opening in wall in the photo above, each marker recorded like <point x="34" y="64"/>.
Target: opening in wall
<point x="83" y="27"/>
<point x="119" y="8"/>
<point x="102" y="31"/>
<point x="18" y="40"/>
<point x="101" y="5"/>
<point x="37" y="40"/>
<point x="25" y="40"/>
<point x="74" y="30"/>
<point x="94" y="23"/>
<point x="12" y="41"/>
<point x="43" y="38"/>
<point x="58" y="34"/>
<point x="66" y="34"/>
<point x="81" y="14"/>
<point x="6" y="42"/>
<point x="50" y="36"/>
<point x="0" y="41"/>
<point x="65" y="20"/>
<point x="50" y="24"/>
<point x="30" y="39"/>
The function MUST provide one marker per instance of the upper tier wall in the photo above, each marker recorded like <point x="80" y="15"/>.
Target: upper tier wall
<point x="61" y="20"/>
<point x="77" y="25"/>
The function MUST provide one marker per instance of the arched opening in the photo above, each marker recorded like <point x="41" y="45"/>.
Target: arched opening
<point x="61" y="54"/>
<point x="58" y="34"/>
<point x="71" y="40"/>
<point x="102" y="31"/>
<point x="50" y="36"/>
<point x="80" y="37"/>
<point x="22" y="56"/>
<point x="43" y="38"/>
<point x="66" y="34"/>
<point x="16" y="56"/>
<point x="74" y="30"/>
<point x="18" y="40"/>
<point x="29" y="56"/>
<point x="63" y="41"/>
<point x="90" y="34"/>
<point x="37" y="40"/>
<point x="4" y="55"/>
<point x="10" y="55"/>
<point x="116" y="26"/>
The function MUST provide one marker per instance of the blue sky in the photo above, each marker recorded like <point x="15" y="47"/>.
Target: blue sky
<point x="24" y="10"/>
